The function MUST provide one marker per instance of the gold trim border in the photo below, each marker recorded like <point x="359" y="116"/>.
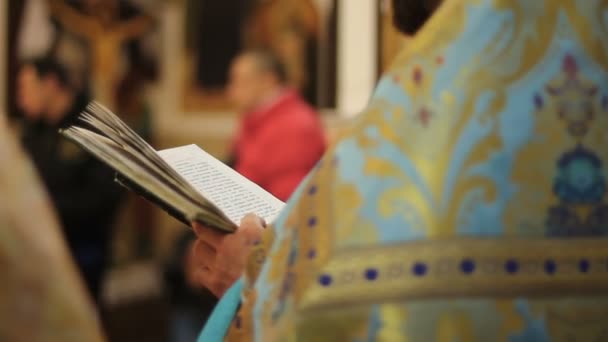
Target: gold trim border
<point x="380" y="274"/>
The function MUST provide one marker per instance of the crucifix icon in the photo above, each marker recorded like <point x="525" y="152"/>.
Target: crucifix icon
<point x="99" y="24"/>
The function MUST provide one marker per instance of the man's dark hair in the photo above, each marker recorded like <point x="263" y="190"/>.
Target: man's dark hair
<point x="45" y="66"/>
<point x="268" y="61"/>
<point x="410" y="15"/>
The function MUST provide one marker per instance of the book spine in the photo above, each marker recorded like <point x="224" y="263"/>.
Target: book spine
<point x="132" y="186"/>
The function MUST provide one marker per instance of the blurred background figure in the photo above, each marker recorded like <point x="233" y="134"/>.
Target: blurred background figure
<point x="190" y="305"/>
<point x="80" y="187"/>
<point x="281" y="137"/>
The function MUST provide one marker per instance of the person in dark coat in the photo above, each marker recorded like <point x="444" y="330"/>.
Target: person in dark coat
<point x="81" y="188"/>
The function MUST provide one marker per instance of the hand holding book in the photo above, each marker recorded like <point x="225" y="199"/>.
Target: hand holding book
<point x="221" y="258"/>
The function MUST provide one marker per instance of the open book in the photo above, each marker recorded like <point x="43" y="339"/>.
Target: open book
<point x="187" y="182"/>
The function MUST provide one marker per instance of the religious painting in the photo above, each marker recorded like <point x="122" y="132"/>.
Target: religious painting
<point x="110" y="31"/>
<point x="390" y="41"/>
<point x="212" y="40"/>
<point x="216" y="31"/>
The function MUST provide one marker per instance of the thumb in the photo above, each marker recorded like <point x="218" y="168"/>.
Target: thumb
<point x="252" y="228"/>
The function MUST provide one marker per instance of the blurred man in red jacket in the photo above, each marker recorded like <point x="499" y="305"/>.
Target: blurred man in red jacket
<point x="281" y="137"/>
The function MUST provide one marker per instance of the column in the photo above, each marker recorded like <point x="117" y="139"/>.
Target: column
<point x="171" y="58"/>
<point x="357" y="54"/>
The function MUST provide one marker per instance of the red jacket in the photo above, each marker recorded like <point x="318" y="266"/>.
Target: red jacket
<point x="279" y="144"/>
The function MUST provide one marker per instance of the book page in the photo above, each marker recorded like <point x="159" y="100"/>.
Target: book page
<point x="234" y="194"/>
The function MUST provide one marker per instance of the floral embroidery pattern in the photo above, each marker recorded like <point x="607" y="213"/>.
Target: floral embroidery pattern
<point x="579" y="183"/>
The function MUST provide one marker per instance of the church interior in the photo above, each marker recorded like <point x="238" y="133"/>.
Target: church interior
<point x="163" y="67"/>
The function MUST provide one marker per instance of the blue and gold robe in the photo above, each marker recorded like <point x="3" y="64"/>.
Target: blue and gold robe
<point x="468" y="202"/>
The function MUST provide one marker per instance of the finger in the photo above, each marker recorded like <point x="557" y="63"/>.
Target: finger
<point x="204" y="255"/>
<point x="215" y="289"/>
<point x="253" y="219"/>
<point x="217" y="285"/>
<point x="202" y="277"/>
<point x="206" y="279"/>
<point x="208" y="235"/>
<point x="252" y="231"/>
